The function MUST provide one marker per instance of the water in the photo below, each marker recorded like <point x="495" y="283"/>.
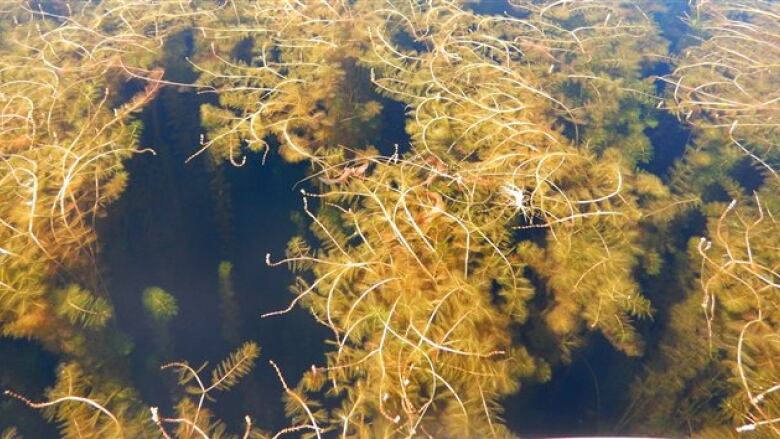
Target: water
<point x="27" y="369"/>
<point x="161" y="233"/>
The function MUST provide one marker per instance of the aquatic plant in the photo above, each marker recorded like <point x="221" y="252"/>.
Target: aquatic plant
<point x="491" y="112"/>
<point x="593" y="57"/>
<point x="485" y="161"/>
<point x="728" y="84"/>
<point x="728" y="336"/>
<point x="67" y="124"/>
<point x="740" y="284"/>
<point x="9" y="433"/>
<point x="281" y="70"/>
<point x="192" y="417"/>
<point x="83" y="308"/>
<point x="89" y="406"/>
<point x="228" y="305"/>
<point x="716" y="353"/>
<point x="65" y="129"/>
<point x="521" y="182"/>
<point x="160" y="304"/>
<point x="405" y="287"/>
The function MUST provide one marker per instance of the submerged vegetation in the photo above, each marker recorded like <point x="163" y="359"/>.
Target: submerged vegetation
<point x="521" y="220"/>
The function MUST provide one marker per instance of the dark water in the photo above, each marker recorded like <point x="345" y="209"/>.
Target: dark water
<point x="586" y="397"/>
<point x="27" y="369"/>
<point x="173" y="226"/>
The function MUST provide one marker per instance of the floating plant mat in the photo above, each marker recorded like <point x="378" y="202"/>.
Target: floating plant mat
<point x="389" y="218"/>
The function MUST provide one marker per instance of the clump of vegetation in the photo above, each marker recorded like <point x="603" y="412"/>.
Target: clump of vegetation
<point x="86" y="409"/>
<point x="160" y="304"/>
<point x="518" y="209"/>
<point x="713" y="374"/>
